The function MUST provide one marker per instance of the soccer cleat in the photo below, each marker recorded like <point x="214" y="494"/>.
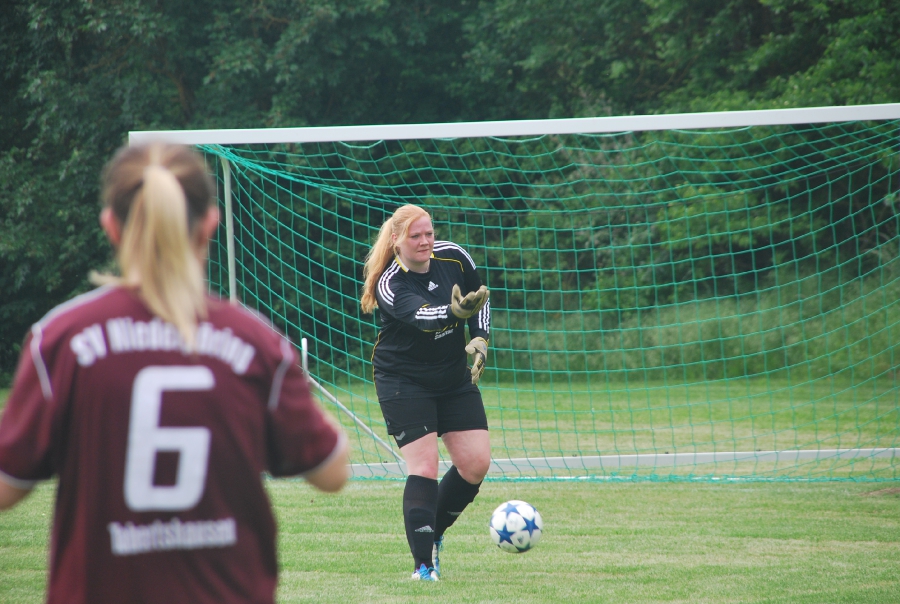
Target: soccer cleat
<point x="435" y="555"/>
<point x="424" y="574"/>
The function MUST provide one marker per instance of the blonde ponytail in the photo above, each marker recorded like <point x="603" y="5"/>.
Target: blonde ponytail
<point x="159" y="193"/>
<point x="379" y="256"/>
<point x="384" y="249"/>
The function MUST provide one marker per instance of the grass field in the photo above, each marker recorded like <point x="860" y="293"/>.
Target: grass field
<point x="605" y="541"/>
<point x="790" y="543"/>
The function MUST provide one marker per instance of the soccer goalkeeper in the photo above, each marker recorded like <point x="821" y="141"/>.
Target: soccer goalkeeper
<point x="427" y="292"/>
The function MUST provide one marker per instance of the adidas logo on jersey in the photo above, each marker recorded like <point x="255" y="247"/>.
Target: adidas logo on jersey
<point x="432" y="285"/>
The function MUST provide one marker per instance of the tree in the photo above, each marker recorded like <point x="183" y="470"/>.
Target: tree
<point x="79" y="76"/>
<point x="615" y="57"/>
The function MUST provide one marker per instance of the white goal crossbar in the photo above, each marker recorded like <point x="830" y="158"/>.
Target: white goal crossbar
<point x="587" y="125"/>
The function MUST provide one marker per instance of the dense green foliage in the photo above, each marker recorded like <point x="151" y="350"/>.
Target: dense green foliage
<point x="78" y="75"/>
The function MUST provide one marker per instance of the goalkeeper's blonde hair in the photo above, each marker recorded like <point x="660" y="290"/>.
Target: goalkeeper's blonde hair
<point x="383" y="251"/>
<point x="159" y="193"/>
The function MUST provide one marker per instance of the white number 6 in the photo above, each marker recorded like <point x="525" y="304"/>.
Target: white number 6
<point x="146" y="438"/>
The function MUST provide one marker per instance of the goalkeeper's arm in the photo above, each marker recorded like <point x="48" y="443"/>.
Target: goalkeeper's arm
<point x="466" y="308"/>
<point x="478" y="348"/>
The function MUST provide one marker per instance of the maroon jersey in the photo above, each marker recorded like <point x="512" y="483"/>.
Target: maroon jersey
<point x="159" y="451"/>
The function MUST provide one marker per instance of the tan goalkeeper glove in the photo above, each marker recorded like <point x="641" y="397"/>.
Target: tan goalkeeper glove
<point x="477" y="347"/>
<point x="463" y="308"/>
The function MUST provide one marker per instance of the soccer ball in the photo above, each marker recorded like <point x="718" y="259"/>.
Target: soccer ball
<point x="516" y="526"/>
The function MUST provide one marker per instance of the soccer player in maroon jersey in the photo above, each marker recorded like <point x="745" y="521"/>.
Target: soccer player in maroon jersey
<point x="423" y="384"/>
<point x="159" y="408"/>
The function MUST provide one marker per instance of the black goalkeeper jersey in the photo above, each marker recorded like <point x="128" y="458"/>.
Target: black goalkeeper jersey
<point x="420" y="338"/>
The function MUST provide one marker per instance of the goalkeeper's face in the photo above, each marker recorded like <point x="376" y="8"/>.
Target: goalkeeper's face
<point x="415" y="249"/>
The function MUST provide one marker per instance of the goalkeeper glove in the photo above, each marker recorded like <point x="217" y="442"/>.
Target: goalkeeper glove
<point x="463" y="308"/>
<point x="477" y="347"/>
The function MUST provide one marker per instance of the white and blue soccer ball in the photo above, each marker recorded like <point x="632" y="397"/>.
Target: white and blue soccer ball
<point x="516" y="526"/>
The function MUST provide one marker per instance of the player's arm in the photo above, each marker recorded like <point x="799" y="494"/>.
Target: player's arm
<point x="479" y="326"/>
<point x="304" y="440"/>
<point x="480" y="322"/>
<point x="10" y="495"/>
<point x="473" y="290"/>
<point x="26" y="427"/>
<point x="407" y="306"/>
<point x="332" y="474"/>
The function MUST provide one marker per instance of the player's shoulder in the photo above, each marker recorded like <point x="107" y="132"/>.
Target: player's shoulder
<point x="447" y="250"/>
<point x="84" y="309"/>
<point x="236" y="328"/>
<point x="241" y="319"/>
<point x="388" y="280"/>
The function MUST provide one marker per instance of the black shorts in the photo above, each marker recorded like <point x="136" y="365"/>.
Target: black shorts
<point x="411" y="411"/>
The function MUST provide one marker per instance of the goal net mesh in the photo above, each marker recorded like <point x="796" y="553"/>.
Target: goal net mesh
<point x="702" y="305"/>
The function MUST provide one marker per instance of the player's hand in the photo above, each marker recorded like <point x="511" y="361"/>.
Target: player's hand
<point x="465" y="307"/>
<point x="477" y="347"/>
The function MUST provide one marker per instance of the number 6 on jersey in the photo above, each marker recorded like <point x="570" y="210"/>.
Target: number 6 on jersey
<point x="146" y="438"/>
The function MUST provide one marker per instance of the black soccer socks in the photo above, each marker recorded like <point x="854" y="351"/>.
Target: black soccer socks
<point x="419" y="502"/>
<point x="454" y="494"/>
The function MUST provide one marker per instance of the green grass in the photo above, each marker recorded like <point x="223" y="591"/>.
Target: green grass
<point x="791" y="543"/>
<point x="643" y="541"/>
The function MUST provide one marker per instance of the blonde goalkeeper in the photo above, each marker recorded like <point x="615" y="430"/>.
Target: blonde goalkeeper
<point x="427" y="293"/>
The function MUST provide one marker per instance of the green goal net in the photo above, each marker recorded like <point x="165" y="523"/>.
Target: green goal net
<point x="673" y="297"/>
